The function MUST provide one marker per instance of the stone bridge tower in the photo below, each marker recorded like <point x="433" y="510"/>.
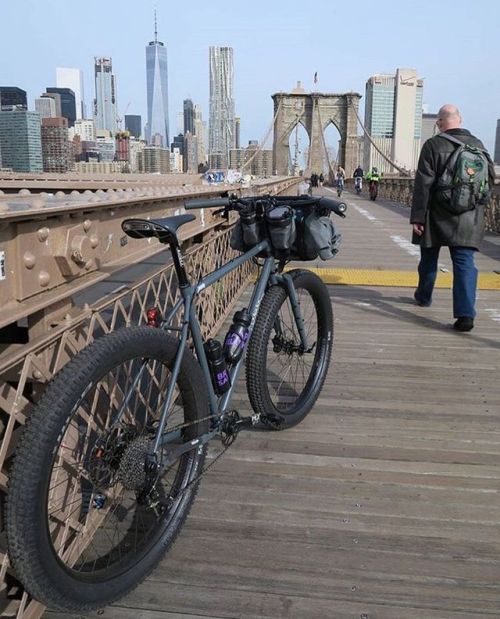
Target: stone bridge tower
<point x="315" y="111"/>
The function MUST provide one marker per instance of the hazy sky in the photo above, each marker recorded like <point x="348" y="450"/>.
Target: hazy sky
<point x="453" y="44"/>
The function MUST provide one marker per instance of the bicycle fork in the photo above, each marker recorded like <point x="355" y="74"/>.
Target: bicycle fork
<point x="299" y="321"/>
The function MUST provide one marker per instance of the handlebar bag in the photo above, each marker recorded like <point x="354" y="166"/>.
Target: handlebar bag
<point x="318" y="237"/>
<point x="252" y="227"/>
<point x="281" y="227"/>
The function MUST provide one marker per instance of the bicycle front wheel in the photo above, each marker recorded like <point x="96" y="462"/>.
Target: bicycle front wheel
<point x="284" y="381"/>
<point x="88" y="517"/>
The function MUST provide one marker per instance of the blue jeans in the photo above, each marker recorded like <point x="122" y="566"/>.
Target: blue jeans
<point x="464" y="278"/>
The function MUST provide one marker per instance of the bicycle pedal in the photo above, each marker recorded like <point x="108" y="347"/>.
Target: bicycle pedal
<point x="275" y="422"/>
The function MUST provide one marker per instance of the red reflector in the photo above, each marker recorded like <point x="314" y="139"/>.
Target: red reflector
<point x="153" y="316"/>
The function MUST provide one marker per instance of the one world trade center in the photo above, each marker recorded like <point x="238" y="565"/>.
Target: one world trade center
<point x="157" y="91"/>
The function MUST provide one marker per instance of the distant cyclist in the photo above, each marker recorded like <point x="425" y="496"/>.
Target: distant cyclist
<point x="358" y="179"/>
<point x="373" y="177"/>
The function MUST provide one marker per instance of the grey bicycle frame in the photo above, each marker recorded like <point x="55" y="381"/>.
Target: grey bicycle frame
<point x="218" y="405"/>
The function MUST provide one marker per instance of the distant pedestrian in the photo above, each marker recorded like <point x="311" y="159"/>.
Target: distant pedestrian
<point x="303" y="188"/>
<point x="321" y="179"/>
<point x="452" y="187"/>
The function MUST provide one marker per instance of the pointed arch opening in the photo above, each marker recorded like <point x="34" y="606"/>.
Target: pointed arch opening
<point x="332" y="156"/>
<point x="298" y="147"/>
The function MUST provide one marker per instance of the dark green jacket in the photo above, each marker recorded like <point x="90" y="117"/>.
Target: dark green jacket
<point x="442" y="227"/>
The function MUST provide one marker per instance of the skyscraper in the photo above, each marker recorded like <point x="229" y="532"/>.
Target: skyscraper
<point x="221" y="114"/>
<point x="56" y="98"/>
<point x="393" y="118"/>
<point x="56" y="148"/>
<point x="20" y="140"/>
<point x="133" y="124"/>
<point x="497" y="143"/>
<point x="105" y="104"/>
<point x="46" y="107"/>
<point x="72" y="78"/>
<point x="429" y="127"/>
<point x="12" y="97"/>
<point x="68" y="105"/>
<point x="157" y="92"/>
<point x="200" y="133"/>
<point x="188" y="116"/>
<point x="237" y="126"/>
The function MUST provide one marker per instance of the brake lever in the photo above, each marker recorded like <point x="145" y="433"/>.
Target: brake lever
<point x="219" y="211"/>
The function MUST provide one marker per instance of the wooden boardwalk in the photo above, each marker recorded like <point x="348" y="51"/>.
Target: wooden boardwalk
<point x="384" y="503"/>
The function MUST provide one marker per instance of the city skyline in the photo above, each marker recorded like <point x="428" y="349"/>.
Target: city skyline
<point x="292" y="46"/>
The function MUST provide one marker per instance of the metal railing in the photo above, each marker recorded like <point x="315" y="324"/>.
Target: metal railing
<point x="27" y="368"/>
<point x="401" y="190"/>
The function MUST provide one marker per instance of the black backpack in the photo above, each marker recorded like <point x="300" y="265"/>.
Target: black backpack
<point x="464" y="183"/>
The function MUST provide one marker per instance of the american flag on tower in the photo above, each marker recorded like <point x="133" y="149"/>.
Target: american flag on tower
<point x="316" y="77"/>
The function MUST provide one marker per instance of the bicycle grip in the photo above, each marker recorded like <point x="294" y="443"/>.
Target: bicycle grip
<point x="337" y="206"/>
<point x="206" y="203"/>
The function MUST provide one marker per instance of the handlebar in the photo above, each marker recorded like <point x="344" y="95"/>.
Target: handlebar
<point x="322" y="203"/>
<point x="207" y="203"/>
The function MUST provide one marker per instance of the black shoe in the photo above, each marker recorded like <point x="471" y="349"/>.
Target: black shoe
<point x="463" y="323"/>
<point x="421" y="303"/>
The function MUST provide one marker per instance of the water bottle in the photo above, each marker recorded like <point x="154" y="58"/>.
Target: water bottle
<point x="217" y="365"/>
<point x="237" y="336"/>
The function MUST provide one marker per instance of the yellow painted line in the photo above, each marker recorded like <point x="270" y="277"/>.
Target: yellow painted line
<point x="398" y="279"/>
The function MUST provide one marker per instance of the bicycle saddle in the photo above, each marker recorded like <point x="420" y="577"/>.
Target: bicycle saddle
<point x="164" y="229"/>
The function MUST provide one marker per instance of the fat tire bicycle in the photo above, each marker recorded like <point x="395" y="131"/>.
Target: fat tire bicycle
<point x="110" y="460"/>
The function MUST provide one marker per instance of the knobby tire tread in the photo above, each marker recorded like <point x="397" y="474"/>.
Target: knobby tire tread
<point x="259" y="341"/>
<point x="33" y="447"/>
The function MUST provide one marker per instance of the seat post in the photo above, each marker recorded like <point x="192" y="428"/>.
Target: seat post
<point x="178" y="259"/>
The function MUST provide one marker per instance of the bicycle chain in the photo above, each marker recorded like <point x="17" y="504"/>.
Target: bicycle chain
<point x="209" y="466"/>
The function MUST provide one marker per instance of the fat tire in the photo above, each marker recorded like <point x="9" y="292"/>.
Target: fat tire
<point x="256" y="362"/>
<point x="31" y="551"/>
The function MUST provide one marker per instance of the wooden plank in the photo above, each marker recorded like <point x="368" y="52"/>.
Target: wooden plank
<point x="384" y="502"/>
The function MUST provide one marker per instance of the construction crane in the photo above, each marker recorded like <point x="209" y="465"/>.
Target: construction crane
<point x="120" y="119"/>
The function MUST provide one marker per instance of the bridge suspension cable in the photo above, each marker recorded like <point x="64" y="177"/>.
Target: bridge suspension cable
<point x="320" y="120"/>
<point x="261" y="144"/>
<point x="395" y="165"/>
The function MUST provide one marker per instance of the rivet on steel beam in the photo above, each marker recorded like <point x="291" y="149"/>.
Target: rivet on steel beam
<point x="87" y="224"/>
<point x="38" y="202"/>
<point x="29" y="260"/>
<point x="75" y="193"/>
<point x="112" y="195"/>
<point x="100" y="191"/>
<point x="88" y="192"/>
<point x="43" y="278"/>
<point x="60" y="195"/>
<point x="43" y="234"/>
<point x="24" y="192"/>
<point x="94" y="241"/>
<point x="37" y="374"/>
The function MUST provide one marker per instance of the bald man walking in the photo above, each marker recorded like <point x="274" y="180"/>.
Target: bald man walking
<point x="435" y="224"/>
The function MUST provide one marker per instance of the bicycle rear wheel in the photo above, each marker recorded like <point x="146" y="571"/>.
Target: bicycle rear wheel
<point x="86" y="520"/>
<point x="284" y="382"/>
